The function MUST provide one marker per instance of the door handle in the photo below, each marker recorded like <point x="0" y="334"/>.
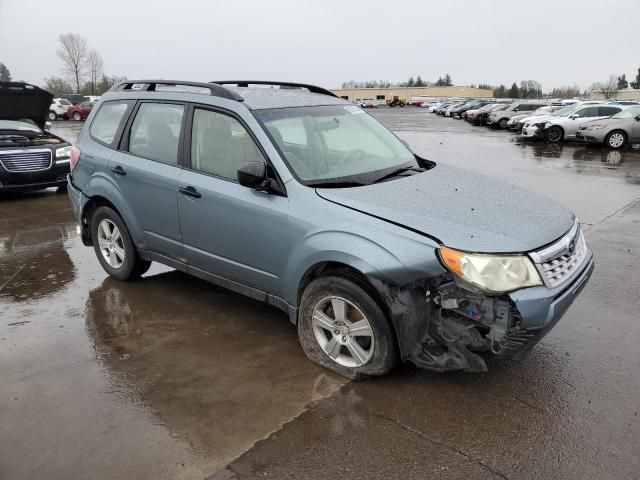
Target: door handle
<point x="189" y="192"/>
<point x="118" y="170"/>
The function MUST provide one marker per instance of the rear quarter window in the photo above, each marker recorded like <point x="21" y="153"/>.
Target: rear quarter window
<point x="106" y="123"/>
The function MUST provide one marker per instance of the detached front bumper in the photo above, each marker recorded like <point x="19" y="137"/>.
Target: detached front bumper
<point x="540" y="308"/>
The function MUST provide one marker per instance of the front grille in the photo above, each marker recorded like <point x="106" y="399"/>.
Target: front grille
<point x="558" y="262"/>
<point x="25" y="160"/>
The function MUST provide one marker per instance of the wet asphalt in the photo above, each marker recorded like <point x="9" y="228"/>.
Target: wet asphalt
<point x="171" y="377"/>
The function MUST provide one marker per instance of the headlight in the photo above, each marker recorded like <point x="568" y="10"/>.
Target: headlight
<point x="494" y="273"/>
<point x="594" y="127"/>
<point x="64" y="152"/>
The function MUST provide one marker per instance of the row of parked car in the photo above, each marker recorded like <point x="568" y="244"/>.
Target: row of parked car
<point x="63" y="108"/>
<point x="611" y="123"/>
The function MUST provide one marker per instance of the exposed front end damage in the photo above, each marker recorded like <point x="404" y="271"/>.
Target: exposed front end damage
<point x="444" y="326"/>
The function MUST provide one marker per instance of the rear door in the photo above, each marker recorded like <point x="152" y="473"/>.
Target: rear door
<point x="146" y="170"/>
<point x="635" y="129"/>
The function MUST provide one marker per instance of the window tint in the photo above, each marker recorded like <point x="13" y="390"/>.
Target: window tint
<point x="220" y="144"/>
<point x="607" y="111"/>
<point x="107" y="120"/>
<point x="155" y="132"/>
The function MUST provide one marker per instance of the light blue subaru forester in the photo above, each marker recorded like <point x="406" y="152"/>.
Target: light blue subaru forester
<point x="289" y="195"/>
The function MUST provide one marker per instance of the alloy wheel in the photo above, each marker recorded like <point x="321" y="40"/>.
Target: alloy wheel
<point x="616" y="140"/>
<point x="111" y="243"/>
<point x="343" y="331"/>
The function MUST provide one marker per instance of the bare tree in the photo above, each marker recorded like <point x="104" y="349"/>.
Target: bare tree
<point x="95" y="64"/>
<point x="73" y="52"/>
<point x="608" y="88"/>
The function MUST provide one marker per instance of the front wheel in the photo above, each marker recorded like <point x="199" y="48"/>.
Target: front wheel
<point x="52" y="115"/>
<point x="616" y="140"/>
<point x="503" y="123"/>
<point x="76" y="116"/>
<point x="113" y="246"/>
<point x="343" y="328"/>
<point x="555" y="134"/>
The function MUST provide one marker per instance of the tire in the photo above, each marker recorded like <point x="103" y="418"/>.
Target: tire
<point x="126" y="265"/>
<point x="554" y="134"/>
<point x="503" y="122"/>
<point x="76" y="116"/>
<point x="52" y="115"/>
<point x="378" y="352"/>
<point x="616" y="139"/>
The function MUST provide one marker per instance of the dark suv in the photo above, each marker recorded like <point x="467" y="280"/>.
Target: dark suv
<point x="300" y="199"/>
<point x="30" y="156"/>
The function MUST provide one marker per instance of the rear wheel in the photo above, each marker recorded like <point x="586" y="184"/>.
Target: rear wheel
<point x="113" y="246"/>
<point x="503" y="122"/>
<point x="52" y="115"/>
<point x="555" y="134"/>
<point x="616" y="139"/>
<point x="343" y="328"/>
<point x="76" y="116"/>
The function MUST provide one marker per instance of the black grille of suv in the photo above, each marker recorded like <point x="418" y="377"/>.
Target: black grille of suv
<point x="25" y="160"/>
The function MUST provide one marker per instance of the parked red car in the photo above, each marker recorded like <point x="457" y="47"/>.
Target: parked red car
<point x="80" y="111"/>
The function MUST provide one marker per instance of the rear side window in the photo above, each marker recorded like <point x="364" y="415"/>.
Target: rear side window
<point x="107" y="121"/>
<point x="608" y="111"/>
<point x="155" y="132"/>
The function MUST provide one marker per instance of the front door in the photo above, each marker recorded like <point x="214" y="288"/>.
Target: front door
<point x="227" y="229"/>
<point x="146" y="173"/>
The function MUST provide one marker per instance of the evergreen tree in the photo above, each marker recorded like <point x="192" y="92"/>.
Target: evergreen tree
<point x="410" y="83"/>
<point x="500" y="92"/>
<point x="447" y="80"/>
<point x="636" y="84"/>
<point x="622" y="82"/>
<point x="419" y="82"/>
<point x="514" y="92"/>
<point x="5" y="74"/>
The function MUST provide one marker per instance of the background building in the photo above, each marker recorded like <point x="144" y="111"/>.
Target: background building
<point x="381" y="95"/>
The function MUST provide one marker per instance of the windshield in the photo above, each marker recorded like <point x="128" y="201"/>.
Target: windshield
<point x="628" y="113"/>
<point x="324" y="144"/>
<point x="19" y="125"/>
<point x="64" y="101"/>
<point x="568" y="110"/>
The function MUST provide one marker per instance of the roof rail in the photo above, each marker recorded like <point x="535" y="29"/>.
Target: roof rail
<point x="246" y="83"/>
<point x="150" y="86"/>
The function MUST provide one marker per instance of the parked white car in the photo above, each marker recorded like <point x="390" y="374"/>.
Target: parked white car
<point x="565" y="128"/>
<point x="58" y="109"/>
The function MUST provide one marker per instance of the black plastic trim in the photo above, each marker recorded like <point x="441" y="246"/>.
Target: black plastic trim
<point x="150" y="86"/>
<point x="246" y="83"/>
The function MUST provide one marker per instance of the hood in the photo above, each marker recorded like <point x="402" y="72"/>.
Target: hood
<point x="539" y="118"/>
<point x="19" y="101"/>
<point x="461" y="209"/>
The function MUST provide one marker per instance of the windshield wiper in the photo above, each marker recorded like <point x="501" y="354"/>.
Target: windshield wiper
<point x="339" y="184"/>
<point x="397" y="172"/>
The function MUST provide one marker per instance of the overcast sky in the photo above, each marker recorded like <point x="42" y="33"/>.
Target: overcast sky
<point x="557" y="42"/>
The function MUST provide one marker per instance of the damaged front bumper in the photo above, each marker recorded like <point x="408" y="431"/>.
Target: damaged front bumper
<point x="465" y="327"/>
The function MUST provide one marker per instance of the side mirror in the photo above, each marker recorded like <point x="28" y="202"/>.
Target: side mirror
<point x="573" y="117"/>
<point x="253" y="175"/>
<point x="638" y="118"/>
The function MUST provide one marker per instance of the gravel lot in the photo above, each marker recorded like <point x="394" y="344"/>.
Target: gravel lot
<point x="172" y="378"/>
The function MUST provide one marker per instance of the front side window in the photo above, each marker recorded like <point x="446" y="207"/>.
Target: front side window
<point x="220" y="144"/>
<point x="628" y="113"/>
<point x="587" y="112"/>
<point x="327" y="143"/>
<point x="106" y="122"/>
<point x="155" y="132"/>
